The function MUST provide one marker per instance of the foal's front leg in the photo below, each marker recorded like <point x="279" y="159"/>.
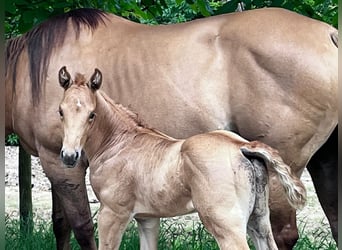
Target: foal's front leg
<point x="148" y="233"/>
<point x="111" y="227"/>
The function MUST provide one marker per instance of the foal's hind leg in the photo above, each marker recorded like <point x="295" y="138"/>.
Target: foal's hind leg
<point x="218" y="206"/>
<point x="259" y="224"/>
<point x="69" y="191"/>
<point x="232" y="237"/>
<point x="225" y="222"/>
<point x="259" y="229"/>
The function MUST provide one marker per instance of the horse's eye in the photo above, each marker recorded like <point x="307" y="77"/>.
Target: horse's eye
<point x="60" y="111"/>
<point x="92" y="116"/>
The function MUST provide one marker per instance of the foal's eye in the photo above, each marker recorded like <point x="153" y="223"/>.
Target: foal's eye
<point x="92" y="116"/>
<point x="60" y="111"/>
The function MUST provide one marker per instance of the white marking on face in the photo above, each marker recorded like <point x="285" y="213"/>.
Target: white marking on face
<point x="78" y="104"/>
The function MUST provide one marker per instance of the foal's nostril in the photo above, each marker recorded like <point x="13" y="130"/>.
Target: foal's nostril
<point x="61" y="154"/>
<point x="76" y="156"/>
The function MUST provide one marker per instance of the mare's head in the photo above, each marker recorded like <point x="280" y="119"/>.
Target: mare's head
<point x="77" y="112"/>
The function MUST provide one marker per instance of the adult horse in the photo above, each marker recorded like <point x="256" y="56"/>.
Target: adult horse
<point x="267" y="74"/>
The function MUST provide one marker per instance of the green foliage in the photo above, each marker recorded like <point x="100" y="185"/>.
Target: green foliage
<point x="172" y="12"/>
<point x="41" y="237"/>
<point x="324" y="10"/>
<point x="22" y="15"/>
<point x="12" y="140"/>
<point x="318" y="239"/>
<point x="174" y="235"/>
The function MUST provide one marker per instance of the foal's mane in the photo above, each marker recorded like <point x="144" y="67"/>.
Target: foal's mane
<point x="132" y="116"/>
<point x="43" y="39"/>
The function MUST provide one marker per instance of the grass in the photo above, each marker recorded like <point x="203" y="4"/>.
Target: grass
<point x="42" y="236"/>
<point x="319" y="238"/>
<point x="174" y="235"/>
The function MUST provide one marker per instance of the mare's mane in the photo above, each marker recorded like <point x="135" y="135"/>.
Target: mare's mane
<point x="41" y="40"/>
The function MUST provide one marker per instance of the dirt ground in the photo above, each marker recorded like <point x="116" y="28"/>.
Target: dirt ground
<point x="311" y="216"/>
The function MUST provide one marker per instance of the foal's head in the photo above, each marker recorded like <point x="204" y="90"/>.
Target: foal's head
<point x="77" y="112"/>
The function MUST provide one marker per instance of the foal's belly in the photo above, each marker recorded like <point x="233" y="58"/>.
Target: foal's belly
<point x="163" y="208"/>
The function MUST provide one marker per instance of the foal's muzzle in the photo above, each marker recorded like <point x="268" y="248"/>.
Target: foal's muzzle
<point x="70" y="158"/>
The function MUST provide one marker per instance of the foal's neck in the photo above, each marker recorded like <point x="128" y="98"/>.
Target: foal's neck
<point x="113" y="128"/>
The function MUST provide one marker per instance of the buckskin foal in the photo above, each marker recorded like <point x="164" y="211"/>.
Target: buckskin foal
<point x="137" y="172"/>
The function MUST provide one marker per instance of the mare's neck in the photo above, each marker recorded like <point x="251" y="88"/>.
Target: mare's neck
<point x="114" y="127"/>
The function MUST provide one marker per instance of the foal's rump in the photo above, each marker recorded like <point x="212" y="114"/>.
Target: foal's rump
<point x="228" y="152"/>
<point x="227" y="177"/>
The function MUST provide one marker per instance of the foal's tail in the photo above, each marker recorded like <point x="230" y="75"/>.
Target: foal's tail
<point x="294" y="188"/>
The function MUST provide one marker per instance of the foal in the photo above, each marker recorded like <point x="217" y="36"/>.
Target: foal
<point x="137" y="172"/>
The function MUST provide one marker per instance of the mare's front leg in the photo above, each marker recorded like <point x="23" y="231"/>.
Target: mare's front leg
<point x="61" y="226"/>
<point x="70" y="201"/>
<point x="111" y="227"/>
<point x="148" y="233"/>
<point x="323" y="168"/>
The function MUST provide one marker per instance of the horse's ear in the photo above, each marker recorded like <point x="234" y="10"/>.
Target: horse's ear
<point x="96" y="80"/>
<point x="64" y="78"/>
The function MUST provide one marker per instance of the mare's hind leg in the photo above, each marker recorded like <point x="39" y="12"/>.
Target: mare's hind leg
<point x="323" y="168"/>
<point x="72" y="207"/>
<point x="148" y="233"/>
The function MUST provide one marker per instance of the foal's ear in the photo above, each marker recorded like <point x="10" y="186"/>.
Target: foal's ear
<point x="96" y="80"/>
<point x="64" y="78"/>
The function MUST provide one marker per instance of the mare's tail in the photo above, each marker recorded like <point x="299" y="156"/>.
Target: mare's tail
<point x="294" y="188"/>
